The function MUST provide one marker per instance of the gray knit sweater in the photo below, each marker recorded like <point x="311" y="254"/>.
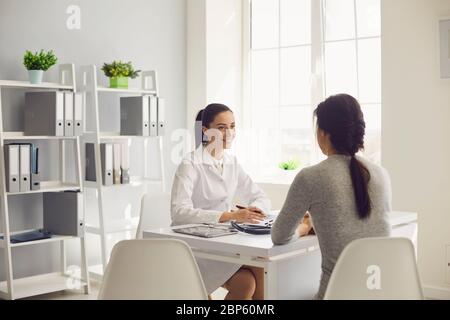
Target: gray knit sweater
<point x="326" y="192"/>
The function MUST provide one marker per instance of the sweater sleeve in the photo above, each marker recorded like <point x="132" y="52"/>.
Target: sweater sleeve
<point x="296" y="205"/>
<point x="251" y="193"/>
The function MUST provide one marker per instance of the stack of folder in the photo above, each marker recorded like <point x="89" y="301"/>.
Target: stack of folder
<point x="142" y="116"/>
<point x="22" y="167"/>
<point x="115" y="163"/>
<point x="54" y="113"/>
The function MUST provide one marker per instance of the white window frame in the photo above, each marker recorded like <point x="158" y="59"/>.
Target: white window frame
<point x="318" y="73"/>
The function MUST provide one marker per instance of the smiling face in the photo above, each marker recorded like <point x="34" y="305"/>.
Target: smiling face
<point x="222" y="128"/>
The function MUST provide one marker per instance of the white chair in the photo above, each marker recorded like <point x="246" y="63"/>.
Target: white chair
<point x="376" y="268"/>
<point x="155" y="212"/>
<point x="152" y="269"/>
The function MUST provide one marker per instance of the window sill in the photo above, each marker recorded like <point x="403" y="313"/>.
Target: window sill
<point x="280" y="177"/>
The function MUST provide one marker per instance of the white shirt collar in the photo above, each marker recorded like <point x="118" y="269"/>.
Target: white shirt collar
<point x="205" y="157"/>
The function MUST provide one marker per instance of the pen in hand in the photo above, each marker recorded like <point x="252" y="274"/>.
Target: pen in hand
<point x="254" y="209"/>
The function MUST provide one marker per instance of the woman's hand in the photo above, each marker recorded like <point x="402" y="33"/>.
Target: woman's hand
<point x="247" y="215"/>
<point x="305" y="225"/>
<point x="243" y="216"/>
<point x="255" y="209"/>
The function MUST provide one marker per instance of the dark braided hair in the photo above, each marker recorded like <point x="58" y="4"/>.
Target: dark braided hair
<point x="341" y="117"/>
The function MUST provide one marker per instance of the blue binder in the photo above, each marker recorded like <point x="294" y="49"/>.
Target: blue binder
<point x="29" y="236"/>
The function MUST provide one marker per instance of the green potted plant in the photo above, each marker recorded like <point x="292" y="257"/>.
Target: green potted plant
<point x="290" y="169"/>
<point x="118" y="73"/>
<point x="292" y="164"/>
<point x="38" y="62"/>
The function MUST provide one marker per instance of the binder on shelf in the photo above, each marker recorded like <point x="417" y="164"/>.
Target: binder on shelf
<point x="35" y="171"/>
<point x="134" y="117"/>
<point x="106" y="155"/>
<point x="125" y="164"/>
<point x="68" y="114"/>
<point x="90" y="162"/>
<point x="107" y="163"/>
<point x="116" y="162"/>
<point x="63" y="213"/>
<point x="25" y="166"/>
<point x="153" y="116"/>
<point x="161" y="111"/>
<point x="12" y="168"/>
<point x="44" y="113"/>
<point x="78" y="105"/>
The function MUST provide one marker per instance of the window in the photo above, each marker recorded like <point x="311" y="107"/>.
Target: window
<point x="300" y="52"/>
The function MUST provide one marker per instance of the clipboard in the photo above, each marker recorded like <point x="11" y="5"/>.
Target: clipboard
<point x="205" y="231"/>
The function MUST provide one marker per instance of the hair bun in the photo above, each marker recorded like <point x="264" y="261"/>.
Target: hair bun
<point x="199" y="115"/>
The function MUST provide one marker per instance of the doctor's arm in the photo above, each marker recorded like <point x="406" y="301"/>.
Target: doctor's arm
<point x="182" y="208"/>
<point x="251" y="194"/>
<point x="293" y="221"/>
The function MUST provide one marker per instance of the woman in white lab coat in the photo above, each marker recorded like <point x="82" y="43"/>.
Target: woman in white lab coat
<point x="205" y="185"/>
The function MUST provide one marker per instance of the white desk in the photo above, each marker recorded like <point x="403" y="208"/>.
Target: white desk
<point x="292" y="271"/>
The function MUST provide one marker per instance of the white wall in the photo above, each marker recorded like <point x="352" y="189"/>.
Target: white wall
<point x="224" y="53"/>
<point x="214" y="49"/>
<point x="196" y="59"/>
<point x="415" y="127"/>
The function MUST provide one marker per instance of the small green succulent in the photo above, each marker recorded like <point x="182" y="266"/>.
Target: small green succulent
<point x="292" y="164"/>
<point x="120" y="69"/>
<point x="39" y="60"/>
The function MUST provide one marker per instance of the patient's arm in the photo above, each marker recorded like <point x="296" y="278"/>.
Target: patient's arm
<point x="289" y="221"/>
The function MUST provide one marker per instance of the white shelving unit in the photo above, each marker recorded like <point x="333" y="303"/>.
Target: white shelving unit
<point x="29" y="286"/>
<point x="105" y="226"/>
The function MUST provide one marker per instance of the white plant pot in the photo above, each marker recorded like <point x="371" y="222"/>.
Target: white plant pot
<point x="289" y="175"/>
<point x="35" y="76"/>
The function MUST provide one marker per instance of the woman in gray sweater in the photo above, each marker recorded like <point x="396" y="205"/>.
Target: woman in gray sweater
<point x="345" y="196"/>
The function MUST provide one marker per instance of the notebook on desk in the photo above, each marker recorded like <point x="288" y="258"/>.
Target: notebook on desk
<point x="206" y="231"/>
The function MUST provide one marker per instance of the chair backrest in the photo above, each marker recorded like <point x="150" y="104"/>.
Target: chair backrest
<point x="152" y="269"/>
<point x="376" y="268"/>
<point x="155" y="212"/>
